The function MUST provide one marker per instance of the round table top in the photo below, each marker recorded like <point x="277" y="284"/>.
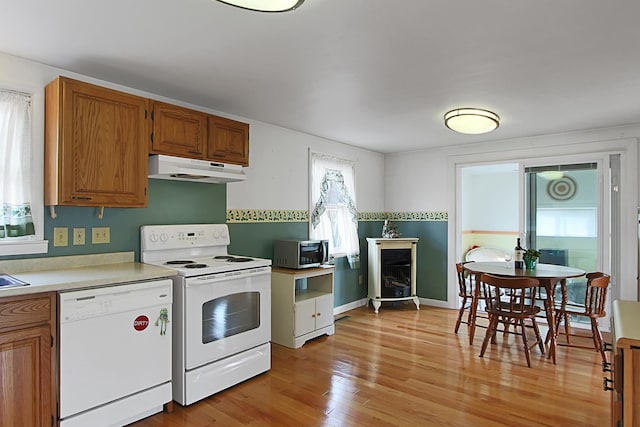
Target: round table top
<point x="542" y="271"/>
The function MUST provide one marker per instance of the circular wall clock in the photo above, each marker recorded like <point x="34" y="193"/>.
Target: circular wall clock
<point x="562" y="188"/>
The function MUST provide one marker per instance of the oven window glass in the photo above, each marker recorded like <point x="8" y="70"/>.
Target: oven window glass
<point x="230" y="315"/>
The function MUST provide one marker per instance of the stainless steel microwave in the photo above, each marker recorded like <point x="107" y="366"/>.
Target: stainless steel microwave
<point x="299" y="254"/>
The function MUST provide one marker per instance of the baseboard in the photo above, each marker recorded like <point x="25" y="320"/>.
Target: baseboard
<point x="350" y="306"/>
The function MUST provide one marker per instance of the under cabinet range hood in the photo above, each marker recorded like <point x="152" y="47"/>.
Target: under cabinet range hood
<point x="182" y="169"/>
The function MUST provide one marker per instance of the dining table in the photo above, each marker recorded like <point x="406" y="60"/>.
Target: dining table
<point x="548" y="275"/>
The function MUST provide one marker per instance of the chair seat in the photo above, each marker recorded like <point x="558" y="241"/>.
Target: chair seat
<point x="576" y="309"/>
<point x="593" y="308"/>
<point x="511" y="301"/>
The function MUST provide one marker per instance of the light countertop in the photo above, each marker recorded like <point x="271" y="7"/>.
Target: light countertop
<point x="626" y="322"/>
<point x="77" y="272"/>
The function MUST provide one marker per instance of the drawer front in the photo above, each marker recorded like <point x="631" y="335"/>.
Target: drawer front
<point x="21" y="311"/>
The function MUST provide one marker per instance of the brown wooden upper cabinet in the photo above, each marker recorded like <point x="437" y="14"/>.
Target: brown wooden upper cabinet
<point x="95" y="146"/>
<point x="228" y="141"/>
<point x="177" y="131"/>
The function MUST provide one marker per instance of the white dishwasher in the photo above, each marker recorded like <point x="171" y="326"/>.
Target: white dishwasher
<point x="115" y="353"/>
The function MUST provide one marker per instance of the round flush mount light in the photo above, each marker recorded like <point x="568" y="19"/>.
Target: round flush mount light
<point x="265" y="5"/>
<point x="471" y="120"/>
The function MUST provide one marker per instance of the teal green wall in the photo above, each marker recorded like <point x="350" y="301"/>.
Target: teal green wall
<point x="256" y="239"/>
<point x="431" y="269"/>
<point x="177" y="202"/>
<point x="170" y="202"/>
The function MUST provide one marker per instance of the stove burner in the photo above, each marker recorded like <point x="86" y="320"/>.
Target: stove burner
<point x="195" y="266"/>
<point x="177" y="262"/>
<point x="239" y="259"/>
<point x="223" y="257"/>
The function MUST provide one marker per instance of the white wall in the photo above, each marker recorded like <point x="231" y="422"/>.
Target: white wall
<point x="278" y="171"/>
<point x="277" y="175"/>
<point x="429" y="181"/>
<point x="490" y="198"/>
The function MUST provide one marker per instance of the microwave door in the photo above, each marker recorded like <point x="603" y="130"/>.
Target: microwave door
<point x="311" y="254"/>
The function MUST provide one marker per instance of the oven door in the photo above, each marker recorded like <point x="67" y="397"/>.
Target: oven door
<point x="225" y="314"/>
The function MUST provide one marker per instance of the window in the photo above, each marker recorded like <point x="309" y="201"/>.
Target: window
<point x="579" y="222"/>
<point x="334" y="216"/>
<point x="18" y="232"/>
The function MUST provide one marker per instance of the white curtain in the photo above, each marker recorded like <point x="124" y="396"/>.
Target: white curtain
<point x="334" y="215"/>
<point x="15" y="161"/>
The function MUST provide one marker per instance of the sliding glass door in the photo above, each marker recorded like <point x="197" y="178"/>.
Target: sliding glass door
<point x="563" y="210"/>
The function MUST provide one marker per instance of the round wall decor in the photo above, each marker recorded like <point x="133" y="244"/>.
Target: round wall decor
<point x="562" y="188"/>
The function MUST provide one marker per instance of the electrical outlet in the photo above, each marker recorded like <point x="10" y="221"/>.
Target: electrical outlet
<point x="78" y="236"/>
<point x="100" y="235"/>
<point x="60" y="236"/>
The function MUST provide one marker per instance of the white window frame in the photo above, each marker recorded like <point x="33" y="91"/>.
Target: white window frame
<point x="38" y="244"/>
<point x="312" y="202"/>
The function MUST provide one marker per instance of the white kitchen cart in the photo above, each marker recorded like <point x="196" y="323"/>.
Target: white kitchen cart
<point x="392" y="270"/>
<point x="301" y="305"/>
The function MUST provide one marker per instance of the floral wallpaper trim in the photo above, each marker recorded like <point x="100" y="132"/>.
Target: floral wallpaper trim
<point x="417" y="216"/>
<point x="257" y="215"/>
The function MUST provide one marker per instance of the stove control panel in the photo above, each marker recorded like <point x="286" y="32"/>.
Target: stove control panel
<point x="160" y="237"/>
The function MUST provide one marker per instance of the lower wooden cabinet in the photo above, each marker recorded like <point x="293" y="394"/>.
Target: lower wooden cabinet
<point x="301" y="305"/>
<point x="27" y="360"/>
<point x="625" y="390"/>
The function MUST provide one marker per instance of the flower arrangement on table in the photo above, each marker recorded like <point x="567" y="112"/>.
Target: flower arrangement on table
<point x="530" y="258"/>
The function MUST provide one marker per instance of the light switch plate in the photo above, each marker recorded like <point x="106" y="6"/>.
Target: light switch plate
<point x="100" y="235"/>
<point x="60" y="236"/>
<point x="78" y="236"/>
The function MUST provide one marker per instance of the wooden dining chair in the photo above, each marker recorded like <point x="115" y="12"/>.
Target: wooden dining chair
<point x="593" y="308"/>
<point x="468" y="300"/>
<point x="511" y="301"/>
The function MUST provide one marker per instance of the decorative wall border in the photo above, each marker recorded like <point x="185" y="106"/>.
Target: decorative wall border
<point x="264" y="215"/>
<point x="403" y="216"/>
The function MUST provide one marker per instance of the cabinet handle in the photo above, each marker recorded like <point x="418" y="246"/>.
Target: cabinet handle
<point x="605" y="384"/>
<point x="318" y="314"/>
<point x="80" y="198"/>
<point x="606" y="346"/>
<point x="313" y="315"/>
<point x="606" y="367"/>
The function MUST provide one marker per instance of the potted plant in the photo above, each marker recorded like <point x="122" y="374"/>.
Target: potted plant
<point x="530" y="258"/>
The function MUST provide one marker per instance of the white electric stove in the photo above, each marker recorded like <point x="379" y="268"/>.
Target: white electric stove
<point x="221" y="308"/>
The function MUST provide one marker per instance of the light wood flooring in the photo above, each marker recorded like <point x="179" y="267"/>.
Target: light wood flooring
<point x="404" y="367"/>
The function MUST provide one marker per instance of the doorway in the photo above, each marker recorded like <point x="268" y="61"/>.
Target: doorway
<point x="565" y="207"/>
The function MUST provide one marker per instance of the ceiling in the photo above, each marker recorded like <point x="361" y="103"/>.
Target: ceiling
<point x="377" y="74"/>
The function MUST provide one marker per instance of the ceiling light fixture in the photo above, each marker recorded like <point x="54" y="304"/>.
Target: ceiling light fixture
<point x="551" y="175"/>
<point x="471" y="120"/>
<point x="265" y="5"/>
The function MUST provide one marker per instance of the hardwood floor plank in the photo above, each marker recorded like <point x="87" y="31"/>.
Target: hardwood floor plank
<point x="404" y="367"/>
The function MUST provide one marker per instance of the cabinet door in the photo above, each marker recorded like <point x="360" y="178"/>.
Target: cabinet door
<point x="96" y="150"/>
<point x="305" y="320"/>
<point x="228" y="141"/>
<point x="178" y="131"/>
<point x="324" y="311"/>
<point x="26" y="378"/>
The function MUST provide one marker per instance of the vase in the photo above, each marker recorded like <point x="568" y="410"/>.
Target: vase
<point x="530" y="263"/>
